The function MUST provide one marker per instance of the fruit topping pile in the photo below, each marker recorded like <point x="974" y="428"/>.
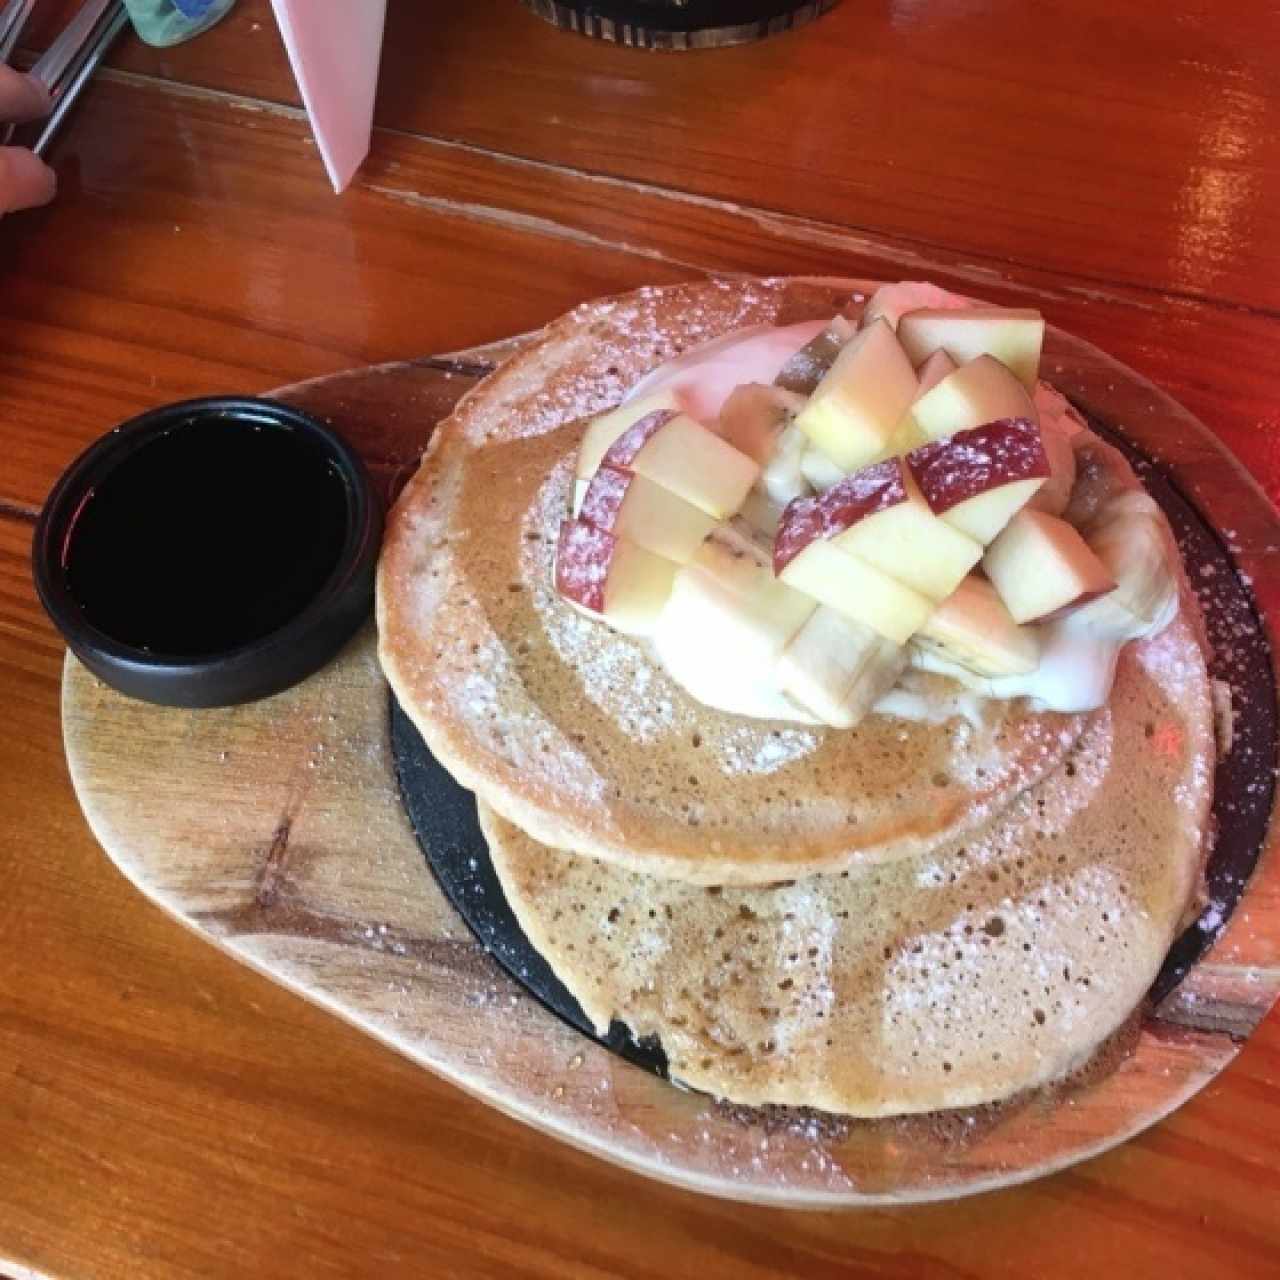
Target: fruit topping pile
<point x="892" y="498"/>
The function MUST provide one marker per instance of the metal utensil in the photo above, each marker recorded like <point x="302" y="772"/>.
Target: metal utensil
<point x="56" y="61"/>
<point x="79" y="71"/>
<point x="69" y="62"/>
<point x="13" y="17"/>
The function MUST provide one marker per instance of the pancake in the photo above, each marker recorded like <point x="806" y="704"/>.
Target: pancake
<point x="997" y="962"/>
<point x="575" y="733"/>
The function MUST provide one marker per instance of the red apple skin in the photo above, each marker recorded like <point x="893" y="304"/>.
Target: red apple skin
<point x="949" y="472"/>
<point x="603" y="499"/>
<point x="622" y="452"/>
<point x="858" y="495"/>
<point x="582" y="563"/>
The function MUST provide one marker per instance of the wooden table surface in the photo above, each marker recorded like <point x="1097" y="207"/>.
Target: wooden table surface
<point x="165" y="1113"/>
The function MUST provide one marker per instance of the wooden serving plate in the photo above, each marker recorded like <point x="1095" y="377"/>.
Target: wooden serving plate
<point x="276" y="831"/>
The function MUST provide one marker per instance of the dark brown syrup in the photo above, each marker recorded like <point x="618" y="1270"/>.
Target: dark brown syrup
<point x="207" y="538"/>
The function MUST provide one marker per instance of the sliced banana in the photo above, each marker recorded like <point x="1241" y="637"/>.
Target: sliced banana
<point x="837" y="668"/>
<point x="1075" y="671"/>
<point x="972" y="628"/>
<point x="731" y="581"/>
<point x="1057" y="412"/>
<point x="783" y="478"/>
<point x="760" y="514"/>
<point x="755" y="415"/>
<point x="806" y="368"/>
<point x="727" y="622"/>
<point x="1130" y="536"/>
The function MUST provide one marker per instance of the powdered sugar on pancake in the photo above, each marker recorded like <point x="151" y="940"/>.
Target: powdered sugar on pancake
<point x="994" y="963"/>
<point x="619" y="675"/>
<point x="750" y="751"/>
<point x="596" y="365"/>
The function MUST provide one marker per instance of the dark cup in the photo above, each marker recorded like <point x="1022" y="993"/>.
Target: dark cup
<point x="210" y="552"/>
<point x="678" y="24"/>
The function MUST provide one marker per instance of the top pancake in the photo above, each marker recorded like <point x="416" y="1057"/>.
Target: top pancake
<point x="571" y="730"/>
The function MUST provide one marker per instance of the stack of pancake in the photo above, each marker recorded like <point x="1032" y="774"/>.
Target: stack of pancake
<point x="910" y="915"/>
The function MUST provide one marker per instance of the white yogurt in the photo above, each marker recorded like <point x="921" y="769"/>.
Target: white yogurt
<point x="706" y="376"/>
<point x="1077" y="667"/>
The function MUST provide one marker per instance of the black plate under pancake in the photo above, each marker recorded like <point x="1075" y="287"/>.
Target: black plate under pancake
<point x="443" y="814"/>
<point x="443" y="817"/>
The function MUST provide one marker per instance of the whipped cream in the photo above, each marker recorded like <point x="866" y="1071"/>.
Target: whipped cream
<point x="706" y="376"/>
<point x="723" y="678"/>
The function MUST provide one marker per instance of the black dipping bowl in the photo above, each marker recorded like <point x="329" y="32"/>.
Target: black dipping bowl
<point x="210" y="552"/>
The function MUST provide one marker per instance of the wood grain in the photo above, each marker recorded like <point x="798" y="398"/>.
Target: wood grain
<point x="164" y="1112"/>
<point x="167" y="1113"/>
<point x="159" y="276"/>
<point x="875" y="117"/>
<point x="275" y="830"/>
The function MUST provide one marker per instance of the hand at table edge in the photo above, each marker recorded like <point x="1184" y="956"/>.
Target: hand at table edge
<point x="25" y="180"/>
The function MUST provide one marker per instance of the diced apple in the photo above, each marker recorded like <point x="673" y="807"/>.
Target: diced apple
<point x="808" y="366"/>
<point x="855" y="409"/>
<point x="891" y="302"/>
<point x="878" y="515"/>
<point x="1058" y="413"/>
<point x="973" y="628"/>
<point x="984" y="516"/>
<point x="1041" y="565"/>
<point x="754" y="416"/>
<point x="623" y="583"/>
<point x="907" y="434"/>
<point x="978" y="480"/>
<point x="976" y="393"/>
<point x="1055" y="494"/>
<point x="630" y="506"/>
<point x="683" y="456"/>
<point x="727" y="596"/>
<point x="908" y="437"/>
<point x="853" y="588"/>
<point x="837" y="669"/>
<point x="624" y="450"/>
<point x="580" y="488"/>
<point x="1013" y="335"/>
<point x="604" y="430"/>
<point x="1131" y="538"/>
<point x="855" y="497"/>
<point x="820" y="472"/>
<point x="909" y="543"/>
<point x="935" y="368"/>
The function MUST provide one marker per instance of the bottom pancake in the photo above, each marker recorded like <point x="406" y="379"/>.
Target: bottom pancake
<point x="993" y="964"/>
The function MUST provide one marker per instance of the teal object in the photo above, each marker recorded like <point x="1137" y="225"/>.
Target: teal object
<point x="166" y="22"/>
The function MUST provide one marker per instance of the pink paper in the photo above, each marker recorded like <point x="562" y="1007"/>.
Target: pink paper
<point x="334" y="47"/>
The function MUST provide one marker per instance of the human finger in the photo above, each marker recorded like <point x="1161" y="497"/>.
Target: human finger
<point x="22" y="97"/>
<point x="25" y="180"/>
